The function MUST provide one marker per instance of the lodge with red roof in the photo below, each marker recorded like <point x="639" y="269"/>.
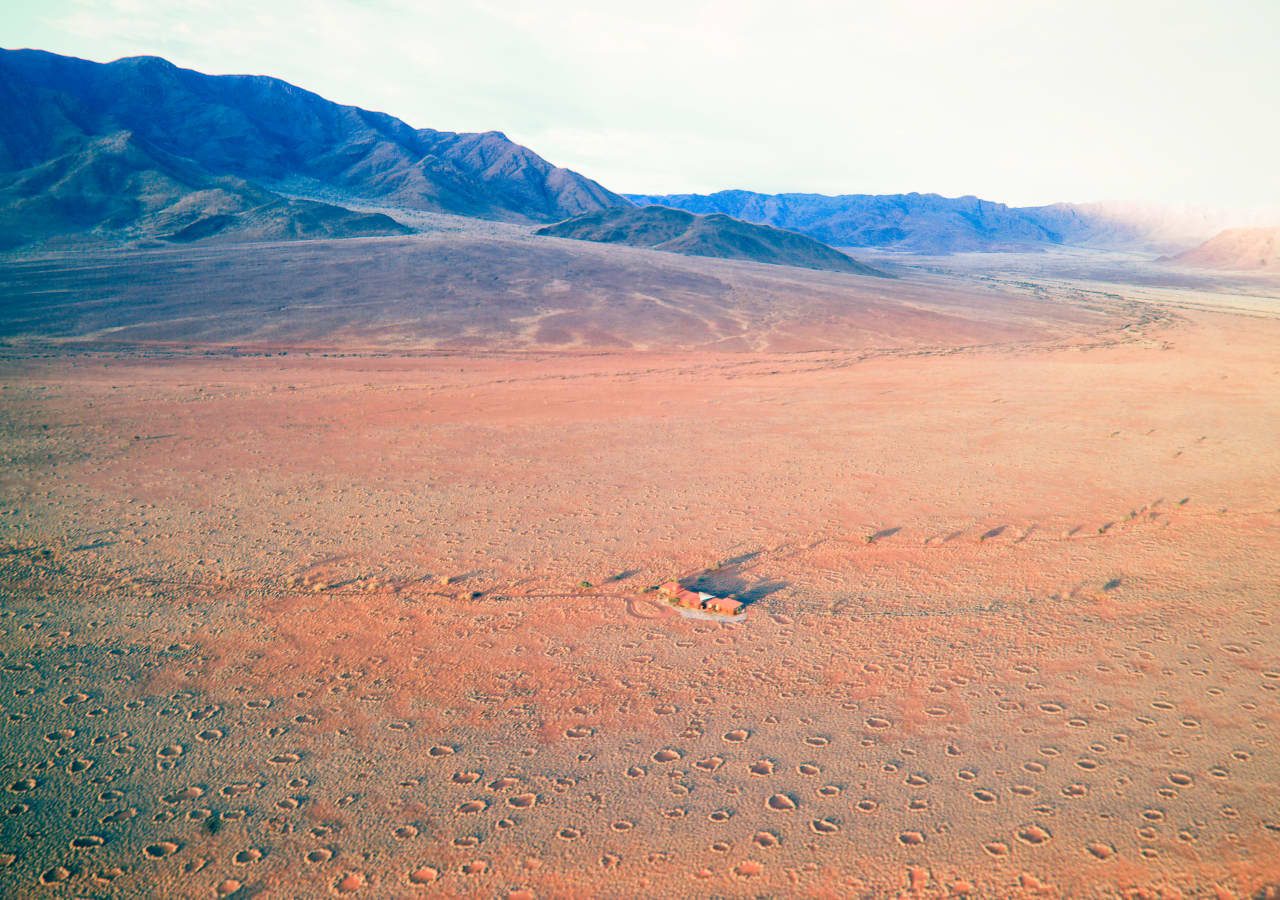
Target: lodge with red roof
<point x="701" y="601"/>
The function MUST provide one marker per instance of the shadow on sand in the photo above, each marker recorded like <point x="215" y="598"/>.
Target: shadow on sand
<point x="732" y="580"/>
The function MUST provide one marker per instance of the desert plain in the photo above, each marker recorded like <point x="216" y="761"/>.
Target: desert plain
<point x="329" y="569"/>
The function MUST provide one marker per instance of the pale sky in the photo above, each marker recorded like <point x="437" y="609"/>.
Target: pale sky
<point x="1022" y="101"/>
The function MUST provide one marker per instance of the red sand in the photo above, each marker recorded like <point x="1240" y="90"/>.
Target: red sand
<point x="299" y="625"/>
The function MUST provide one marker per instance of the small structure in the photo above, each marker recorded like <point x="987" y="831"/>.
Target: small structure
<point x="701" y="601"/>
<point x="725" y="606"/>
<point x="688" y="599"/>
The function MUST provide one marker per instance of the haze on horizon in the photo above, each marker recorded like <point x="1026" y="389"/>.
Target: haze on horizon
<point x="1027" y="103"/>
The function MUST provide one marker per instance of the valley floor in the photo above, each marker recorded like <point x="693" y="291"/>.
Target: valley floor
<point x="383" y="624"/>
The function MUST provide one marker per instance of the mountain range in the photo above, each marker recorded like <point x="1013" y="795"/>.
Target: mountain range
<point x="932" y="224"/>
<point x="141" y="148"/>
<point x="142" y="152"/>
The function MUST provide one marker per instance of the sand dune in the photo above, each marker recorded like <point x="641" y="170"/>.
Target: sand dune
<point x="1236" y="248"/>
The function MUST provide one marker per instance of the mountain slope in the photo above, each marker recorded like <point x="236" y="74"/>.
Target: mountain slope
<point x="715" y="235"/>
<point x="1236" y="248"/>
<point x="116" y="188"/>
<point x="268" y="134"/>
<point x="931" y="224"/>
<point x="1126" y="226"/>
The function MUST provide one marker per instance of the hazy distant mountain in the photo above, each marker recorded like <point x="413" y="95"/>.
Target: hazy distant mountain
<point x="1236" y="248"/>
<point x="923" y="223"/>
<point x="126" y="130"/>
<point x="717" y="235"/>
<point x="1127" y="226"/>
<point x="931" y="224"/>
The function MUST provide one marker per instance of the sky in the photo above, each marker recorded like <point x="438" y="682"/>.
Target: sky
<point x="1167" y="103"/>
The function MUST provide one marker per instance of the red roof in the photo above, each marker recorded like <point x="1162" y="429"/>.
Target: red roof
<point x="723" y="605"/>
<point x="688" y="598"/>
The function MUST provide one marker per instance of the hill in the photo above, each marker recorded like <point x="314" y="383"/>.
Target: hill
<point x="715" y="235"/>
<point x="241" y="146"/>
<point x="1236" y="248"/>
<point x="932" y="224"/>
<point x="491" y="286"/>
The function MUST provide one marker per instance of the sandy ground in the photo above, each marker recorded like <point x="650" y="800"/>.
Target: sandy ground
<point x="501" y="288"/>
<point x="383" y="624"/>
